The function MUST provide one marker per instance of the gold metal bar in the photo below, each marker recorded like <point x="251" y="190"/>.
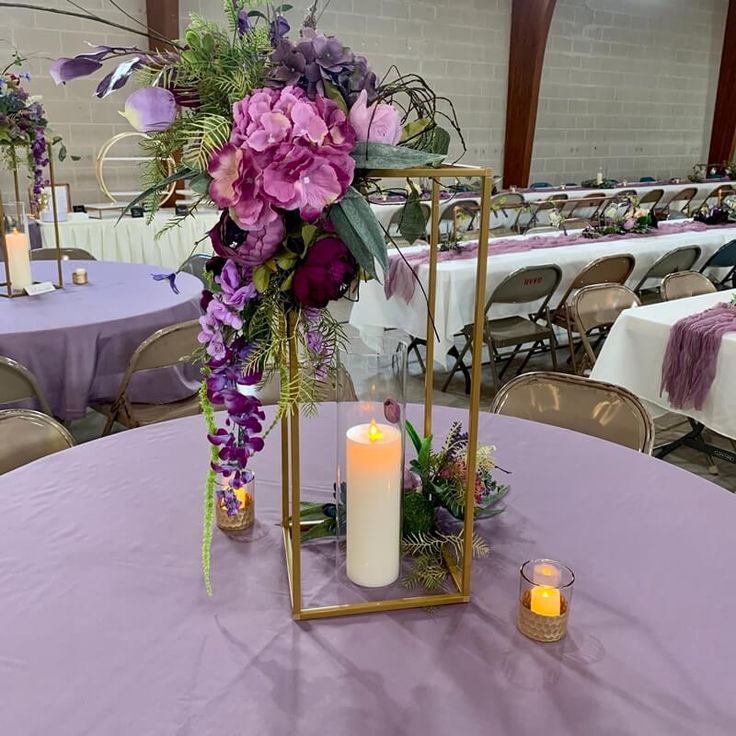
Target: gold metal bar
<point x="434" y="240"/>
<point x="452" y="568"/>
<point x="441" y="172"/>
<point x="296" y="532"/>
<point x="475" y="377"/>
<point x="52" y="180"/>
<point x="395" y="604"/>
<point x="285" y="472"/>
<point x="289" y="553"/>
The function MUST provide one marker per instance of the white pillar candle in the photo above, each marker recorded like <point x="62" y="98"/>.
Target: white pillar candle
<point x="19" y="260"/>
<point x="373" y="455"/>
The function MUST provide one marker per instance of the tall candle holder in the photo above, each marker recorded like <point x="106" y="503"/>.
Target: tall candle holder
<point x="13" y="218"/>
<point x="545" y="597"/>
<point x="292" y="524"/>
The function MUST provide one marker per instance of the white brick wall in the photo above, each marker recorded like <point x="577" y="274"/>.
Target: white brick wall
<point x="82" y="120"/>
<point x="629" y="85"/>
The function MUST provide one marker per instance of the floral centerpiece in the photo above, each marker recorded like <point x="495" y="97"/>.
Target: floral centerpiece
<point x="278" y="133"/>
<point x="23" y="124"/>
<point x="718" y="214"/>
<point x="613" y="221"/>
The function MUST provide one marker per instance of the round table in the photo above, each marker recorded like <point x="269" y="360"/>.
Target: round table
<point x="78" y="340"/>
<point x="105" y="627"/>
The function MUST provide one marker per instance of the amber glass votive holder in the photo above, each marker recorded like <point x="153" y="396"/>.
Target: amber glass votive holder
<point x="245" y="516"/>
<point x="545" y="597"/>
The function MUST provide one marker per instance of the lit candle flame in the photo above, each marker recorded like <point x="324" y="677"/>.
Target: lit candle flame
<point x="374" y="434"/>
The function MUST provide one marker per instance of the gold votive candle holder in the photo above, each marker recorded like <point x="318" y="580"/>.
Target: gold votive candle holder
<point x="545" y="596"/>
<point x="245" y="517"/>
<point x="79" y="276"/>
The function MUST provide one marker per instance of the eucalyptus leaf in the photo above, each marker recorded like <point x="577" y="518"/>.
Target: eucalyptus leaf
<point x="62" y="152"/>
<point x="371" y="155"/>
<point x="200" y="183"/>
<point x="180" y="175"/>
<point x="439" y="141"/>
<point x="358" y="228"/>
<point x="413" y="223"/>
<point x="413" y="129"/>
<point x="261" y="277"/>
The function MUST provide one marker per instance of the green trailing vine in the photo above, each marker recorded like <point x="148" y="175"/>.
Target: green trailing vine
<point x="209" y="492"/>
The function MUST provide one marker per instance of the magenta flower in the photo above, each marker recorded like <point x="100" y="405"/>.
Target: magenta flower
<point x="325" y="274"/>
<point x="225" y="169"/>
<point x="249" y="247"/>
<point x="150" y="109"/>
<point x="377" y="122"/>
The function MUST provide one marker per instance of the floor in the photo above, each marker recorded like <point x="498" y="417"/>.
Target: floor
<point x="668" y="427"/>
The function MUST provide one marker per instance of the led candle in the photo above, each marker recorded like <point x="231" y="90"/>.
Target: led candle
<point x="545" y="573"/>
<point x="19" y="260"/>
<point x="545" y="601"/>
<point x="373" y="454"/>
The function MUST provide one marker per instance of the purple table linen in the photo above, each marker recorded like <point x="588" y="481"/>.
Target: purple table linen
<point x="78" y="341"/>
<point x="105" y="627"/>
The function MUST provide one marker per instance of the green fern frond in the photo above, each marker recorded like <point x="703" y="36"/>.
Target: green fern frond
<point x="209" y="493"/>
<point x="427" y="571"/>
<point x="205" y="134"/>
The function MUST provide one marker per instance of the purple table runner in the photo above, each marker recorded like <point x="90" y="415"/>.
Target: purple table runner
<point x="689" y="365"/>
<point x="401" y="277"/>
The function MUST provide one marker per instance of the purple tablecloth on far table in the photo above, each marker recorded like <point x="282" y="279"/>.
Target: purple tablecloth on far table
<point x="105" y="627"/>
<point x="78" y="341"/>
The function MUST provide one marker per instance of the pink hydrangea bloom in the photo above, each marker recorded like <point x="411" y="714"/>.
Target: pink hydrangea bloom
<point x="378" y="122"/>
<point x="294" y="154"/>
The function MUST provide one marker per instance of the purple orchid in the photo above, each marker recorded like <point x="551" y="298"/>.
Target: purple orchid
<point x="170" y="277"/>
<point x="150" y="109"/>
<point x="277" y="30"/>
<point x="65" y="69"/>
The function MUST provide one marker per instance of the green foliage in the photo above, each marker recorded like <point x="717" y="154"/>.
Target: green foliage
<point x="428" y="572"/>
<point x="433" y="544"/>
<point x="358" y="228"/>
<point x="205" y="134"/>
<point x="209" y="493"/>
<point x="413" y="222"/>
<point x="418" y="514"/>
<point x="371" y="155"/>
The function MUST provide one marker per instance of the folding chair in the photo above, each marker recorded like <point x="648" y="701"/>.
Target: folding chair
<point x="607" y="270"/>
<point x="509" y="205"/>
<point x="680" y="201"/>
<point x="684" y="284"/>
<point x="651" y="199"/>
<point x="196" y="265"/>
<point x="679" y="259"/>
<point x="593" y="202"/>
<point x="167" y="347"/>
<point x="555" y="201"/>
<point x="67" y="254"/>
<point x="449" y="215"/>
<point x="597" y="307"/>
<point x="724" y="257"/>
<point x="579" y="404"/>
<point x="27" y="435"/>
<point x="525" y="286"/>
<point x="18" y="384"/>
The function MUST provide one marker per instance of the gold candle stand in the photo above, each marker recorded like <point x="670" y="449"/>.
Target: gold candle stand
<point x="291" y="523"/>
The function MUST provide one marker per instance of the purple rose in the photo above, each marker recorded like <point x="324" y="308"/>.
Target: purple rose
<point x="325" y="274"/>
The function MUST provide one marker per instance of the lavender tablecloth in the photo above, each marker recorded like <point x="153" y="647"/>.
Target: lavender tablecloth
<point x="105" y="628"/>
<point x="78" y="341"/>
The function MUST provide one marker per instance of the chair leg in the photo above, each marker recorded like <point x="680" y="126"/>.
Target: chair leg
<point x="494" y="369"/>
<point x="111" y="417"/>
<point x="553" y="349"/>
<point x="570" y="343"/>
<point x="528" y="355"/>
<point x="457" y="366"/>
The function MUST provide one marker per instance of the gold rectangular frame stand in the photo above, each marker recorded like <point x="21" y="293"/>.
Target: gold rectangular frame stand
<point x="291" y="523"/>
<point x="7" y="292"/>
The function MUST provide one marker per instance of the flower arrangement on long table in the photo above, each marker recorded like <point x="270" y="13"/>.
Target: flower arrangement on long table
<point x="278" y="133"/>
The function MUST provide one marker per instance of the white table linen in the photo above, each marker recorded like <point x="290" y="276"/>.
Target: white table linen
<point x="633" y="353"/>
<point x="132" y="240"/>
<point x="373" y="313"/>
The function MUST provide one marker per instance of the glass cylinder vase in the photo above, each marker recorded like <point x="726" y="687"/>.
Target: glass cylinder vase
<point x="16" y="247"/>
<point x="370" y="443"/>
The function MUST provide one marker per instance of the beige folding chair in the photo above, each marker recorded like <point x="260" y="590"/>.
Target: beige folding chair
<point x="554" y="201"/>
<point x="196" y="266"/>
<point x="593" y="202"/>
<point x="679" y="259"/>
<point x="580" y="404"/>
<point x="450" y="212"/>
<point x="508" y="204"/>
<point x="541" y="229"/>
<point x="18" y="384"/>
<point x="27" y="435"/>
<point x="606" y="270"/>
<point x="576" y="223"/>
<point x="597" y="307"/>
<point x="651" y="199"/>
<point x="67" y="254"/>
<point x="167" y="347"/>
<point x="679" y="203"/>
<point x="684" y="284"/>
<point x="715" y="196"/>
<point x="393" y="226"/>
<point x="525" y="286"/>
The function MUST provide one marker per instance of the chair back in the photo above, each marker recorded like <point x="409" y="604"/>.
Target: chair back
<point x="67" y="254"/>
<point x="27" y="435"/>
<point x="541" y="229"/>
<point x="647" y="178"/>
<point x="685" y="284"/>
<point x="594" y="200"/>
<point x="606" y="270"/>
<point x="196" y="266"/>
<point x="679" y="259"/>
<point x="724" y="257"/>
<point x="576" y="223"/>
<point x="510" y="200"/>
<point x="18" y="384"/>
<point x="527" y="285"/>
<point x="580" y="404"/>
<point x="681" y="200"/>
<point x="651" y="199"/>
<point x="540" y="185"/>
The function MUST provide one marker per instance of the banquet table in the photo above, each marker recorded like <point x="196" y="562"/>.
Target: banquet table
<point x="385" y="209"/>
<point x="133" y="240"/>
<point x="633" y="354"/>
<point x="78" y="340"/>
<point x="373" y="312"/>
<point x="105" y="627"/>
